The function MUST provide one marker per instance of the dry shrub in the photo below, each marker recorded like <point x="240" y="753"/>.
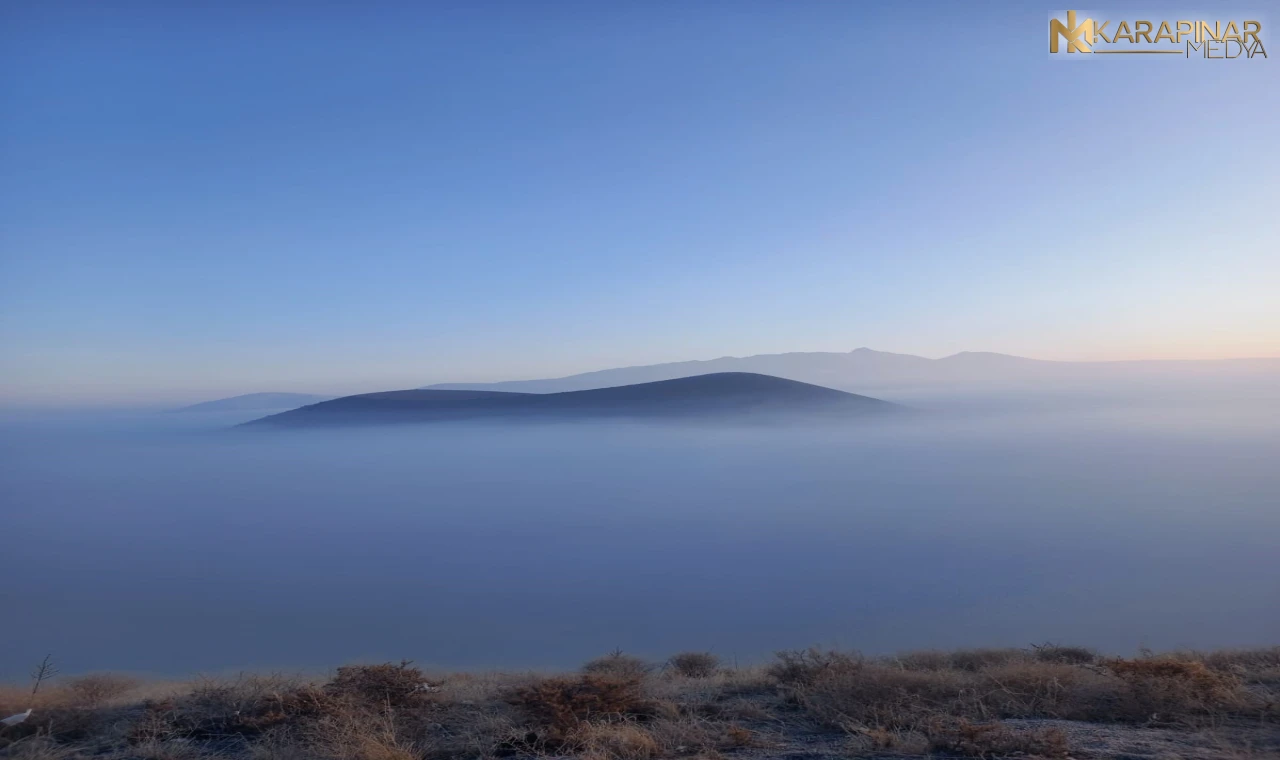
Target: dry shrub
<point x="977" y="660"/>
<point x="1166" y="688"/>
<point x="875" y="696"/>
<point x="303" y="704"/>
<point x="385" y="684"/>
<point x="360" y="735"/>
<point x="617" y="664"/>
<point x="925" y="659"/>
<point x="804" y="666"/>
<point x="1120" y="690"/>
<point x="721" y="687"/>
<point x="738" y="682"/>
<point x="969" y="660"/>
<point x="1252" y="666"/>
<point x="884" y="740"/>
<point x="473" y="731"/>
<point x="974" y="660"/>
<point x="745" y="709"/>
<point x="965" y="739"/>
<point x="1033" y="689"/>
<point x="478" y="687"/>
<point x="158" y="722"/>
<point x="1166" y="667"/>
<point x="279" y="744"/>
<point x="244" y="708"/>
<point x="984" y="685"/>
<point x="96" y="689"/>
<point x="686" y="734"/>
<point x="217" y="695"/>
<point x="308" y="723"/>
<point x="695" y="664"/>
<point x="561" y="704"/>
<point x="613" y="741"/>
<point x="1064" y="655"/>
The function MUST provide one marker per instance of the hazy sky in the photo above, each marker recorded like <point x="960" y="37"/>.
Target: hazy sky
<point x="228" y="198"/>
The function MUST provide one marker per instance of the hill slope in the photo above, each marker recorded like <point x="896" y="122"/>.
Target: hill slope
<point x="255" y="402"/>
<point x="728" y="394"/>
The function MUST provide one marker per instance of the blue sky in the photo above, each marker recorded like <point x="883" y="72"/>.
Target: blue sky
<point x="213" y="200"/>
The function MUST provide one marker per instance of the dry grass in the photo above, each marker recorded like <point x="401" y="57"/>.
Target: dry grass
<point x="616" y="663"/>
<point x="1252" y="666"/>
<point x="356" y="734"/>
<point x="620" y="708"/>
<point x="394" y="685"/>
<point x="694" y="664"/>
<point x="1165" y="688"/>
<point x="1064" y="655"/>
<point x="801" y="667"/>
<point x="906" y="692"/>
<point x="613" y="741"/>
<point x="99" y="689"/>
<point x="558" y="707"/>
<point x="965" y="739"/>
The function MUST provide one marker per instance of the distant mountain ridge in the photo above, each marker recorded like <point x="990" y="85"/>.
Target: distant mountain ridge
<point x="864" y="370"/>
<point x="251" y="402"/>
<point x="737" y="395"/>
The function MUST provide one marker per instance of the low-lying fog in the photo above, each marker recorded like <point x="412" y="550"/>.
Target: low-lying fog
<point x="164" y="544"/>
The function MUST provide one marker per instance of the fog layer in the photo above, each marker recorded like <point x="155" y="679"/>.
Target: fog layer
<point x="131" y="543"/>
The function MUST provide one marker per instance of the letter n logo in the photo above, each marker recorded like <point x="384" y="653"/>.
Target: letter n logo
<point x="1077" y="37"/>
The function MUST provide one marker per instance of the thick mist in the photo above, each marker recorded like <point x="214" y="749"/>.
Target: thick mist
<point x="168" y="544"/>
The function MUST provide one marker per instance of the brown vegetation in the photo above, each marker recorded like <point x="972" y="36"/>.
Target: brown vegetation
<point x="392" y="685"/>
<point x="973" y="703"/>
<point x="695" y="664"/>
<point x="557" y="707"/>
<point x="616" y="663"/>
<point x="97" y="689"/>
<point x="965" y="739"/>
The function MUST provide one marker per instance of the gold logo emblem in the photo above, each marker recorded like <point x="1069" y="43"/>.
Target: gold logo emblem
<point x="1216" y="39"/>
<point x="1078" y="36"/>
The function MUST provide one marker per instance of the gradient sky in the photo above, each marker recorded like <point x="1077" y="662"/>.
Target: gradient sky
<point x="201" y="201"/>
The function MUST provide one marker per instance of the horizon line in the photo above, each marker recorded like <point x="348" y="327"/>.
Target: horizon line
<point x="177" y="397"/>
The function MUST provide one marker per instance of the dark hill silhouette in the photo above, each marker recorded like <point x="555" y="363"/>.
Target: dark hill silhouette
<point x="725" y="394"/>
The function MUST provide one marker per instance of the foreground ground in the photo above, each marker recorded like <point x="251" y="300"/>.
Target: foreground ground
<point x="1049" y="701"/>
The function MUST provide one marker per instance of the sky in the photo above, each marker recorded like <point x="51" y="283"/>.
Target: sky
<point x="208" y="199"/>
